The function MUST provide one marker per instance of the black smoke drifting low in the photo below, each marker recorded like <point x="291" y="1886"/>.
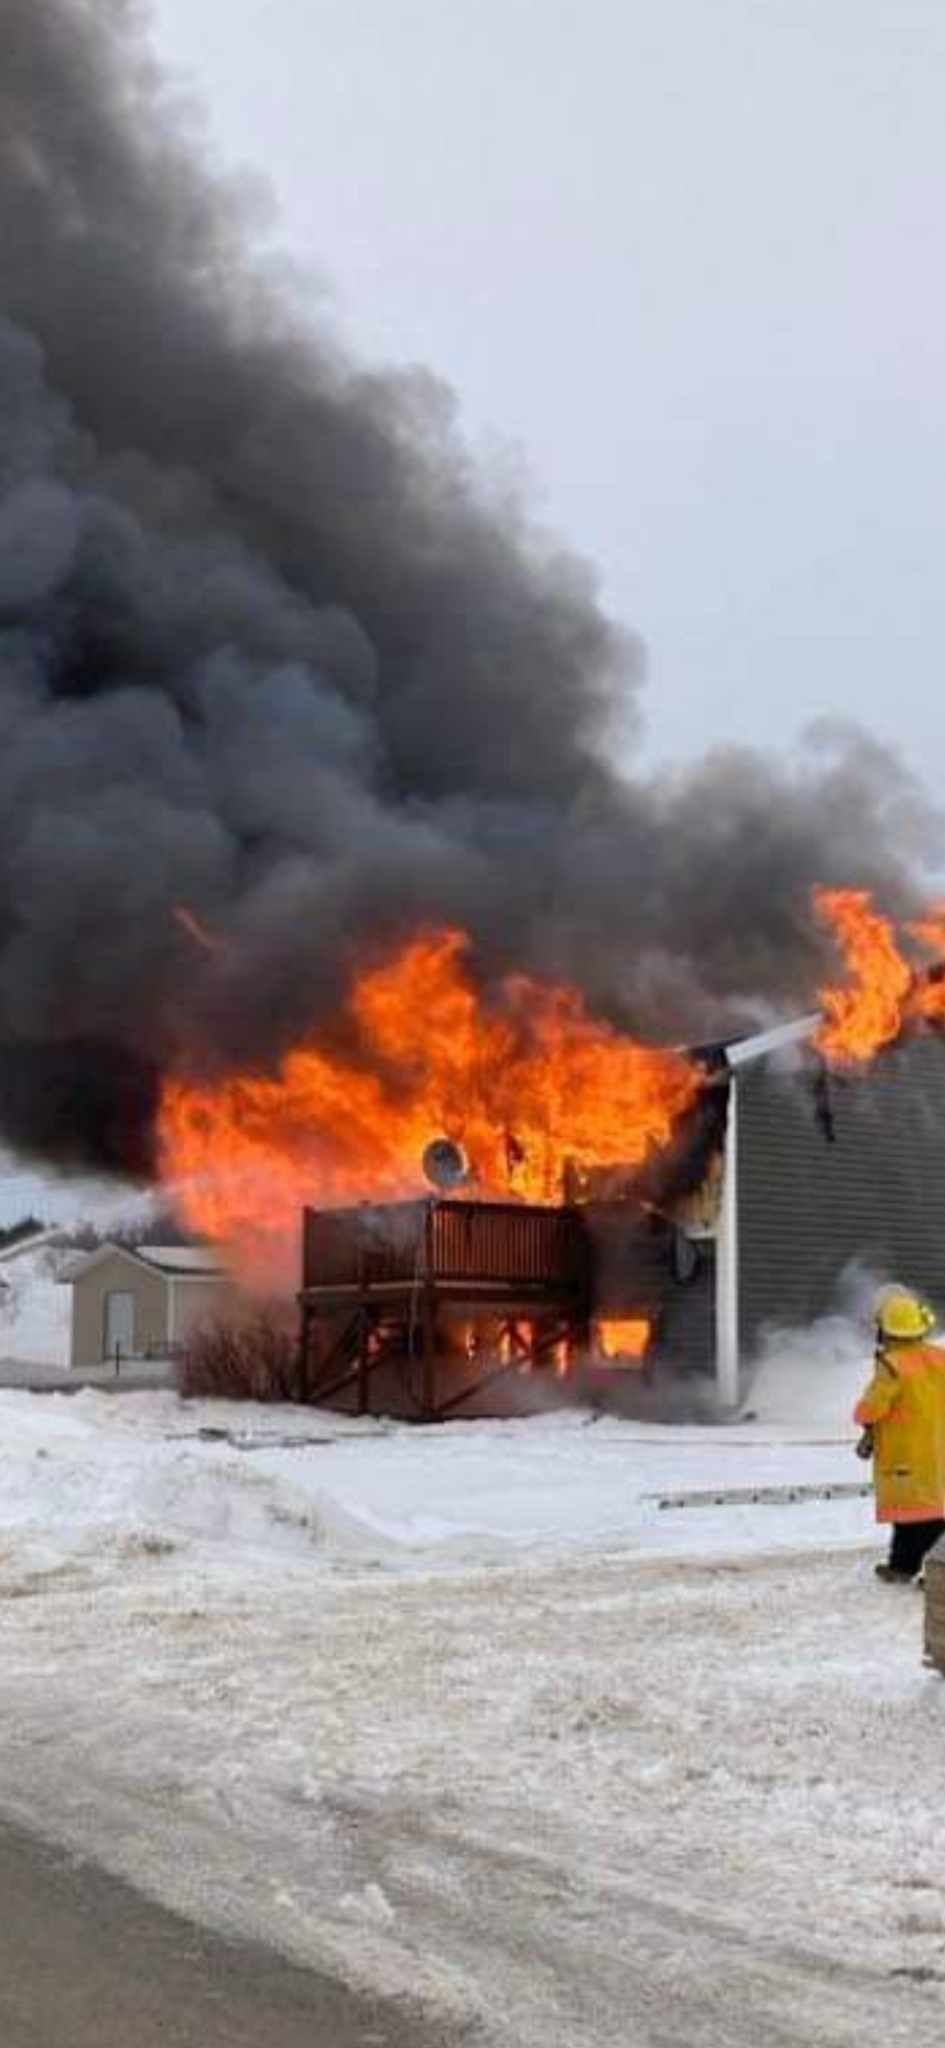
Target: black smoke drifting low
<point x="269" y="650"/>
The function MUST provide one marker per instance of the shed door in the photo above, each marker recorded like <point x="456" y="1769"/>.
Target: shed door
<point x="119" y="1324"/>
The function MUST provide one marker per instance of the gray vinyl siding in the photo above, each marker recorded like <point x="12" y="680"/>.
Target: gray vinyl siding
<point x="809" y="1207"/>
<point x="687" y="1335"/>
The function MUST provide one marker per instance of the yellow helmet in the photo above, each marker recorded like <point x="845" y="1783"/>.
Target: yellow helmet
<point x="902" y="1316"/>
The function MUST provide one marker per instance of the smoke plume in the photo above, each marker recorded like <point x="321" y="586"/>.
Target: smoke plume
<point x="272" y="652"/>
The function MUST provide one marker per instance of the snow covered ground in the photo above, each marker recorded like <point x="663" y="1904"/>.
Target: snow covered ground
<point x="469" y="1714"/>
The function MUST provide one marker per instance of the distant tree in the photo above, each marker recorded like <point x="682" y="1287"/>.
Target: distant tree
<point x="83" y="1238"/>
<point x="164" y="1227"/>
<point x="28" y="1226"/>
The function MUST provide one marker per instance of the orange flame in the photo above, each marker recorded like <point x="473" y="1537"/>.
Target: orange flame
<point x="624" y="1338"/>
<point x="433" y="1059"/>
<point x="885" y="992"/>
<point x="867" y="1012"/>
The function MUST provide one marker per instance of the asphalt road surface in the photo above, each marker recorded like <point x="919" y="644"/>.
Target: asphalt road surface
<point x="85" y="1962"/>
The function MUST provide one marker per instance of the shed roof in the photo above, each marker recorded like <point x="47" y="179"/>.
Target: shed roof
<point x="56" y="1234"/>
<point x="182" y="1258"/>
<point x="177" y="1261"/>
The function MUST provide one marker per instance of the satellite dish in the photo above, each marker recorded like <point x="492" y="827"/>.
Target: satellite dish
<point x="445" y="1164"/>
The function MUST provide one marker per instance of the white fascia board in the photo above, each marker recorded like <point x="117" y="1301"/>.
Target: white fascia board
<point x="777" y="1039"/>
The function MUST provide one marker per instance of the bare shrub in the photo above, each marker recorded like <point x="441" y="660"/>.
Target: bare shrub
<point x="247" y="1358"/>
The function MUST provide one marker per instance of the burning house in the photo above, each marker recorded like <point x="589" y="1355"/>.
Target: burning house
<point x="780" y="1179"/>
<point x="798" y="1153"/>
<point x="319" y="838"/>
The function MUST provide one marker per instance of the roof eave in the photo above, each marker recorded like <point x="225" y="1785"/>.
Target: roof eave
<point x="780" y="1038"/>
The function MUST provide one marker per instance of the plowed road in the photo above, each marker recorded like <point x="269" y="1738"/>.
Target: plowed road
<point x="86" y="1963"/>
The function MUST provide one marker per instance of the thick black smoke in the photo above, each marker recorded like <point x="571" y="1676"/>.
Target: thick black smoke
<point x="269" y="650"/>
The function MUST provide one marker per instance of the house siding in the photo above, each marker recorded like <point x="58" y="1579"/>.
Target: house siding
<point x="809" y="1207"/>
<point x="126" y="1276"/>
<point x="687" y="1332"/>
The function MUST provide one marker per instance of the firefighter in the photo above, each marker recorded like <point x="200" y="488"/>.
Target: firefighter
<point x="902" y="1413"/>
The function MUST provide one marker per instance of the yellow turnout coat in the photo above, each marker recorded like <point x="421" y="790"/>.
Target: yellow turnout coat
<point x="904" y="1405"/>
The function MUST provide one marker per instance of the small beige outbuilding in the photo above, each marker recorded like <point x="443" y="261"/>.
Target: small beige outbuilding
<point x="141" y="1303"/>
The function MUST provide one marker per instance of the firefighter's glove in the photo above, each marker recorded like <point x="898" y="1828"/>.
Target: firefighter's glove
<point x="864" y="1448"/>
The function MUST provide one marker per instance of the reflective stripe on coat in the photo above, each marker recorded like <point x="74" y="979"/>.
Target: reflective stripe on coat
<point x="904" y="1405"/>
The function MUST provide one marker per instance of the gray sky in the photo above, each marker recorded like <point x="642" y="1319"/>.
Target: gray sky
<point x="686" y="258"/>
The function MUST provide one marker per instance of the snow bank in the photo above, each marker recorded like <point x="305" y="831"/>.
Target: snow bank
<point x="288" y="1480"/>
